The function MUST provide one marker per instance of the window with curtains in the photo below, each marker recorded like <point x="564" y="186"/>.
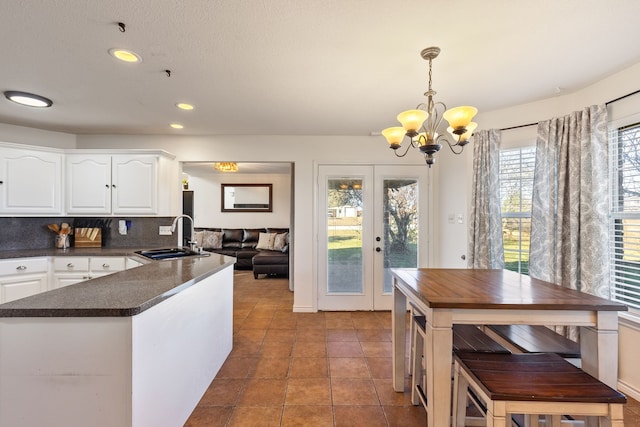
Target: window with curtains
<point x="516" y="187"/>
<point x="625" y="215"/>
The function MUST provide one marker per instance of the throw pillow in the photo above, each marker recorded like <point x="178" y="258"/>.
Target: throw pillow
<point x="212" y="239"/>
<point x="265" y="241"/>
<point x="280" y="241"/>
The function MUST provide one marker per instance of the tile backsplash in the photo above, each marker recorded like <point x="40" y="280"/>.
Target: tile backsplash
<point x="18" y="233"/>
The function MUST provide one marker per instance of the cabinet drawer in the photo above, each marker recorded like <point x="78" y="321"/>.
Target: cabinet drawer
<point x="23" y="266"/>
<point x="106" y="264"/>
<point x="70" y="264"/>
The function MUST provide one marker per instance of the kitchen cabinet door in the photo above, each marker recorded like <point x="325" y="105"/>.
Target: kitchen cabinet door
<point x="135" y="184"/>
<point x="22" y="277"/>
<point x="13" y="288"/>
<point x="30" y="182"/>
<point x="112" y="184"/>
<point x="88" y="184"/>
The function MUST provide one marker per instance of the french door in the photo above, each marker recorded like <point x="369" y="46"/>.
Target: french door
<point x="371" y="219"/>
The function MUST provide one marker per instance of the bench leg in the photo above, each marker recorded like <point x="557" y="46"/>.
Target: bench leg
<point x="417" y="377"/>
<point x="460" y="386"/>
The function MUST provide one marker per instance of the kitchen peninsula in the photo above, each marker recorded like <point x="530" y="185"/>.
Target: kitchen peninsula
<point x="136" y="348"/>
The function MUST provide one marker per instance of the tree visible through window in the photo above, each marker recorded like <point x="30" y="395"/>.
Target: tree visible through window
<point x="625" y="215"/>
<point x="516" y="186"/>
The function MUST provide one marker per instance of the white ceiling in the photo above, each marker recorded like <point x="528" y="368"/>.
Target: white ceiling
<point x="297" y="67"/>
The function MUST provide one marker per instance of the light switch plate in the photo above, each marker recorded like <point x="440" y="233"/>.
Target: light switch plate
<point x="165" y="230"/>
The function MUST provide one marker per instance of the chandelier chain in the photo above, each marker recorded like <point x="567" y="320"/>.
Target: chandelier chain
<point x="430" y="74"/>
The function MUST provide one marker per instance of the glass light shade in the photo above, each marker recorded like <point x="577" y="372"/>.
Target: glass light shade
<point x="470" y="128"/>
<point x="459" y="117"/>
<point x="423" y="139"/>
<point x="412" y="120"/>
<point x="394" y="135"/>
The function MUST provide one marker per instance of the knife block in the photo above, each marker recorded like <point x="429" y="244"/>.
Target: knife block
<point x="88" y="237"/>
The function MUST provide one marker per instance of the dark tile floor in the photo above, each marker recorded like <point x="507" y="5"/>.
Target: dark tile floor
<point x="308" y="369"/>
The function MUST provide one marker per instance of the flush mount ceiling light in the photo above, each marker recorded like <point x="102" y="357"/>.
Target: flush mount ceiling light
<point x="28" y="99"/>
<point x="421" y="125"/>
<point x="226" y="166"/>
<point x="176" y="126"/>
<point x="125" y="55"/>
<point x="184" y="106"/>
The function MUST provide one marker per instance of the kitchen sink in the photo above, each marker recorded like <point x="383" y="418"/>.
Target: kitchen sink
<point x="170" y="253"/>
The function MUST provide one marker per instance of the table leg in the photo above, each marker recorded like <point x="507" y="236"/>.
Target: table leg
<point x="399" y="337"/>
<point x="595" y="349"/>
<point x="437" y="349"/>
<point x="598" y="348"/>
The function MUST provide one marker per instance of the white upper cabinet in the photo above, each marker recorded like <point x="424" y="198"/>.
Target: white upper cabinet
<point x="88" y="184"/>
<point x="30" y="182"/>
<point x="121" y="184"/>
<point x="40" y="181"/>
<point x="135" y="184"/>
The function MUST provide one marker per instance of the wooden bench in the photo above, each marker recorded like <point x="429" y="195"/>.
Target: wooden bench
<point x="465" y="338"/>
<point x="531" y="384"/>
<point x="534" y="339"/>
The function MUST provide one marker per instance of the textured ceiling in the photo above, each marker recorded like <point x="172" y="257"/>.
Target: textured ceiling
<point x="292" y="67"/>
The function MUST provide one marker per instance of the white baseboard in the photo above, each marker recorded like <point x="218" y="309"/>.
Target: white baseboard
<point x="628" y="390"/>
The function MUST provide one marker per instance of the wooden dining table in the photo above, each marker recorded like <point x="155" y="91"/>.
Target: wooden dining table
<point x="494" y="297"/>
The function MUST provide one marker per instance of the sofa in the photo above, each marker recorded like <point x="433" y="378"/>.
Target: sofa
<point x="262" y="250"/>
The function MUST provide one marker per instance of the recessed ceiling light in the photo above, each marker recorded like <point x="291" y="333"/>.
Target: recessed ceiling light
<point x="28" y="99"/>
<point x="184" y="106"/>
<point x="176" y="126"/>
<point x="125" y="55"/>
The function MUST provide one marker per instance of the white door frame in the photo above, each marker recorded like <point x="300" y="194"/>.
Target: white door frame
<point x="383" y="171"/>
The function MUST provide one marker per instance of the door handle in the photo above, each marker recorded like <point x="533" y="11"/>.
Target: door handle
<point x="378" y="249"/>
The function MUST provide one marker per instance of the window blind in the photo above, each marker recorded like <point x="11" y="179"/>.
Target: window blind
<point x="625" y="215"/>
<point x="516" y="187"/>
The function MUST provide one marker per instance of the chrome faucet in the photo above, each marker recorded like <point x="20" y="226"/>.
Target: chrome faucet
<point x="193" y="244"/>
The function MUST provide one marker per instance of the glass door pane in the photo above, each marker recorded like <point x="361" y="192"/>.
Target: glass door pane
<point x="344" y="236"/>
<point x="400" y="226"/>
<point x="400" y="222"/>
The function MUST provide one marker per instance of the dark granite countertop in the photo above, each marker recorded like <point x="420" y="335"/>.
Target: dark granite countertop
<point x="122" y="294"/>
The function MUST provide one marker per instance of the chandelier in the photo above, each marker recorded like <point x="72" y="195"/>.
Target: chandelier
<point x="226" y="166"/>
<point x="421" y="125"/>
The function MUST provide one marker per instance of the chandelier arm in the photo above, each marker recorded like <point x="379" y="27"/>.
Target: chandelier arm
<point x="406" y="150"/>
<point x="451" y="146"/>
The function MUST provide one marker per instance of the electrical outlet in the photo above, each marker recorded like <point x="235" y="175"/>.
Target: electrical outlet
<point x="165" y="230"/>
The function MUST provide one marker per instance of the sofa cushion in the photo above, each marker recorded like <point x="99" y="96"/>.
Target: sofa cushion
<point x="251" y="236"/>
<point x="232" y="237"/>
<point x="270" y="258"/>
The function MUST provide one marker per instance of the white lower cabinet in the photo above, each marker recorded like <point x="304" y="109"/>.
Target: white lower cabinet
<point x="131" y="263"/>
<point x="70" y="270"/>
<point x="102" y="266"/>
<point x="22" y="277"/>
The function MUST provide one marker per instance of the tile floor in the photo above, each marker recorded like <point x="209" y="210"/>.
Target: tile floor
<point x="308" y="369"/>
